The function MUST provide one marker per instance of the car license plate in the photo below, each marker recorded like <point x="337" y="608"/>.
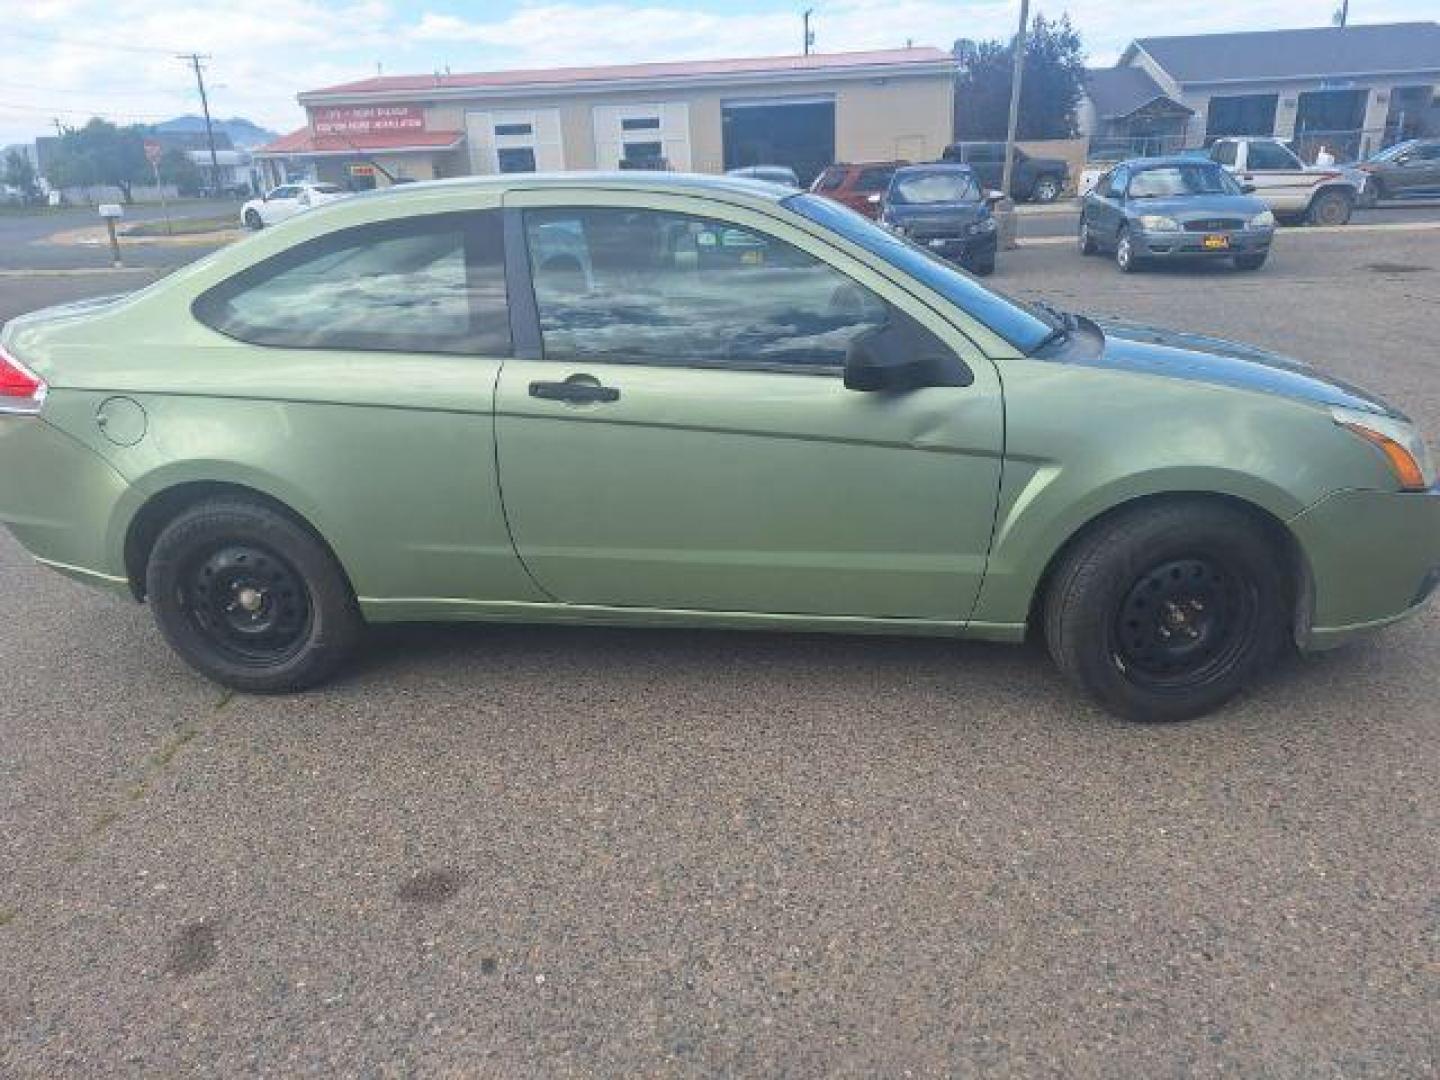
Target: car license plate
<point x="1215" y="242"/>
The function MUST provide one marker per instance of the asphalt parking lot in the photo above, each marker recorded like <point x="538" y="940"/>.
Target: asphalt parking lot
<point x="545" y="852"/>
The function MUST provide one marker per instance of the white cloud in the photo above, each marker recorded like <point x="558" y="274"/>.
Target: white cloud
<point x="61" y="54"/>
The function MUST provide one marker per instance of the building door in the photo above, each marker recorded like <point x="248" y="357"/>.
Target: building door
<point x="634" y="135"/>
<point x="1330" y="118"/>
<point x="514" y="140"/>
<point x="798" y="132"/>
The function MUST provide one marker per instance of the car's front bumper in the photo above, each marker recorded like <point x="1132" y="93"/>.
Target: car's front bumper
<point x="980" y="247"/>
<point x="1374" y="557"/>
<point x="1191" y="245"/>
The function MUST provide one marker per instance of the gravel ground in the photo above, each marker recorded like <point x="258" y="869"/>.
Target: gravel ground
<point x="546" y="852"/>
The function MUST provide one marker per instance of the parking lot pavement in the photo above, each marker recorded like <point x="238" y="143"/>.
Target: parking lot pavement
<point x="24" y="237"/>
<point x="534" y="852"/>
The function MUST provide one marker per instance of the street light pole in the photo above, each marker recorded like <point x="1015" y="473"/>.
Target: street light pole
<point x="809" y="37"/>
<point x="1016" y="75"/>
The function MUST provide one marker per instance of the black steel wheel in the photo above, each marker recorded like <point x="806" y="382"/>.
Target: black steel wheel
<point x="1181" y="621"/>
<point x="1167" y="610"/>
<point x="251" y="597"/>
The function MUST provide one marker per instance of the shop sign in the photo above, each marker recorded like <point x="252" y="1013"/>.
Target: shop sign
<point x="366" y="119"/>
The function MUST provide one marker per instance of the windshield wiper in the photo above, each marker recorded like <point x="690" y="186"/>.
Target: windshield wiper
<point x="1063" y="323"/>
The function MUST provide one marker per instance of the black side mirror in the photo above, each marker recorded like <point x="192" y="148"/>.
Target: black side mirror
<point x="1247" y="189"/>
<point x="901" y="355"/>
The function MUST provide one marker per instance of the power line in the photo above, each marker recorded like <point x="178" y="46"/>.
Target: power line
<point x="193" y="59"/>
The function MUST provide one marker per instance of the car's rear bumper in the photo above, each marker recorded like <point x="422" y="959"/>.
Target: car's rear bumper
<point x="1191" y="245"/>
<point x="1374" y="558"/>
<point x="59" y="499"/>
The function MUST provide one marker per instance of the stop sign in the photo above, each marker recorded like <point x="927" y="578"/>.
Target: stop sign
<point x="153" y="151"/>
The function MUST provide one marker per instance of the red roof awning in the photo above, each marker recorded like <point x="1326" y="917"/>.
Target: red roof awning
<point x="305" y="141"/>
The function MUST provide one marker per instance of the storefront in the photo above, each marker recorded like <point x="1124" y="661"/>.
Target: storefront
<point x="703" y="116"/>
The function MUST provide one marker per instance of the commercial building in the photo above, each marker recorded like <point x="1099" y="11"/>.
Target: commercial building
<point x="702" y="116"/>
<point x="1354" y="88"/>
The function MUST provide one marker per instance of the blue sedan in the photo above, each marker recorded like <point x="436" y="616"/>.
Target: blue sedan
<point x="1162" y="209"/>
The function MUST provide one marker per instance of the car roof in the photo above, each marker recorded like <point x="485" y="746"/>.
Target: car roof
<point x="1172" y="159"/>
<point x="657" y="182"/>
<point x="935" y="166"/>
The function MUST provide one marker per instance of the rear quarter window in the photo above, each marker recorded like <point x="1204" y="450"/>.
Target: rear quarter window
<point x="424" y="284"/>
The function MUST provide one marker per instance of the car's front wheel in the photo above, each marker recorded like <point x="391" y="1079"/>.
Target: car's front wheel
<point x="1166" y="612"/>
<point x="1330" y="208"/>
<point x="1046" y="189"/>
<point x="1087" y="242"/>
<point x="1125" y="257"/>
<point x="253" y="220"/>
<point x="251" y="598"/>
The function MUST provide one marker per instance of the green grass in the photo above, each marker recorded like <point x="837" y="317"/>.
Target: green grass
<point x="180" y="226"/>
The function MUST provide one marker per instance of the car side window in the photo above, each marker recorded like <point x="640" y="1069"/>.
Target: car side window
<point x="1223" y="153"/>
<point x="421" y="284"/>
<point x="871" y="180"/>
<point x="830" y="179"/>
<point x="652" y="287"/>
<point x="284" y="192"/>
<point x="1270" y="156"/>
<point x="1119" y="182"/>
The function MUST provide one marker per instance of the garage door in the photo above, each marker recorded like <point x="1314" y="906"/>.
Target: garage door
<point x="798" y="132"/>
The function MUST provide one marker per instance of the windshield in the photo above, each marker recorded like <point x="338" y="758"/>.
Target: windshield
<point x="940" y="186"/>
<point x="1166" y="180"/>
<point x="1017" y="324"/>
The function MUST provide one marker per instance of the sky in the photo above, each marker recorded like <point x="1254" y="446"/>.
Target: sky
<point x="71" y="59"/>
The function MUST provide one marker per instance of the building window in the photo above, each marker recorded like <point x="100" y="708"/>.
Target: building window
<point x="652" y="287"/>
<point x="643" y="151"/>
<point x="640" y="123"/>
<point x="425" y="284"/>
<point x="515" y="159"/>
<point x="1243" y="114"/>
<point x="514" y="129"/>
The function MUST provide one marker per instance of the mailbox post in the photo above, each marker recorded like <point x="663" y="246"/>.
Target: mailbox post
<point x="112" y="212"/>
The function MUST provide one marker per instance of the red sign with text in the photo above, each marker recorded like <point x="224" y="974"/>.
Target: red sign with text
<point x="366" y="119"/>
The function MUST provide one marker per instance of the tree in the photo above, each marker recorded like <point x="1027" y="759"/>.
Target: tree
<point x="1050" y="90"/>
<point x="20" y="174"/>
<point x="177" y="168"/>
<point x="101" y="153"/>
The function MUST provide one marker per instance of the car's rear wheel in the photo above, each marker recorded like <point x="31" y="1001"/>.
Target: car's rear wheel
<point x="1249" y="262"/>
<point x="253" y="220"/>
<point x="1087" y="242"/>
<point x="1330" y="208"/>
<point x="1046" y="189"/>
<point x="1125" y="257"/>
<point x="984" y="266"/>
<point x="251" y="598"/>
<point x="1166" y="612"/>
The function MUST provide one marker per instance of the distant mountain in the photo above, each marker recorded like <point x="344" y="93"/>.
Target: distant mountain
<point x="242" y="132"/>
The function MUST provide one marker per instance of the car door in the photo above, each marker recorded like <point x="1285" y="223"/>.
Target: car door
<point x="1417" y="171"/>
<point x="281" y="203"/>
<point x="678" y="434"/>
<point x="1278" y="176"/>
<point x="1107" y="211"/>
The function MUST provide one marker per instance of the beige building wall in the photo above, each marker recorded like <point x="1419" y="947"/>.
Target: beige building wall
<point x="875" y="119"/>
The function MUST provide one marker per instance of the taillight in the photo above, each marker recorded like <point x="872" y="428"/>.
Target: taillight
<point x="21" y="390"/>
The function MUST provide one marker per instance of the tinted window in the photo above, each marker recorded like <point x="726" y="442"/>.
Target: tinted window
<point x="984" y="153"/>
<point x="515" y="159"/>
<point x="327" y="189"/>
<point x="873" y="179"/>
<point x="428" y="284"/>
<point x="642" y="286"/>
<point x="1002" y="315"/>
<point x="1119" y="179"/>
<point x="513" y="129"/>
<point x="1224" y="153"/>
<point x="289" y="191"/>
<point x="830" y="179"/>
<point x="1265" y="155"/>
<point x="640" y="123"/>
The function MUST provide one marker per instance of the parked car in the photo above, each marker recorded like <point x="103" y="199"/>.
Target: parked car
<point x="1162" y="209"/>
<point x="1033" y="179"/>
<point x="285" y="201"/>
<point x="853" y="183"/>
<point x="941" y="208"/>
<point x="1406" y="169"/>
<point x="760" y="410"/>
<point x="771" y="174"/>
<point x="1294" y="191"/>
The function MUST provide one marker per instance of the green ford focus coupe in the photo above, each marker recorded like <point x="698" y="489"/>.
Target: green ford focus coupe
<point x="666" y="400"/>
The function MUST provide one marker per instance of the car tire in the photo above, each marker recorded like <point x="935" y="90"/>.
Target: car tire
<point x="1250" y="262"/>
<point x="1087" y="242"/>
<point x="1046" y="189"/>
<point x="983" y="267"/>
<point x="1166" y="612"/>
<point x="1125" y="257"/>
<point x="253" y="220"/>
<point x="251" y="598"/>
<point x="1330" y="208"/>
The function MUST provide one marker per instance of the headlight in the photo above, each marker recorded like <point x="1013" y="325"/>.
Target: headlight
<point x="1263" y="220"/>
<point x="1405" y="451"/>
<point x="1158" y="223"/>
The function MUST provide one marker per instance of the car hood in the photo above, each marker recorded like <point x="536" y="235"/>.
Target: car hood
<point x="1200" y="358"/>
<point x="1186" y="207"/>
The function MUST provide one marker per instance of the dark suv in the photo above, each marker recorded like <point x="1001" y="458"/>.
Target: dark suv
<point x="858" y="185"/>
<point x="1405" y="169"/>
<point x="1033" y="179"/>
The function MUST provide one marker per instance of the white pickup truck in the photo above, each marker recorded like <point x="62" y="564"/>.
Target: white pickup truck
<point x="1294" y="191"/>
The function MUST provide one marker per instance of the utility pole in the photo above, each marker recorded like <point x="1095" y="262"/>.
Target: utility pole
<point x="1016" y="75"/>
<point x="193" y="59"/>
<point x="1343" y="15"/>
<point x="809" y="34"/>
